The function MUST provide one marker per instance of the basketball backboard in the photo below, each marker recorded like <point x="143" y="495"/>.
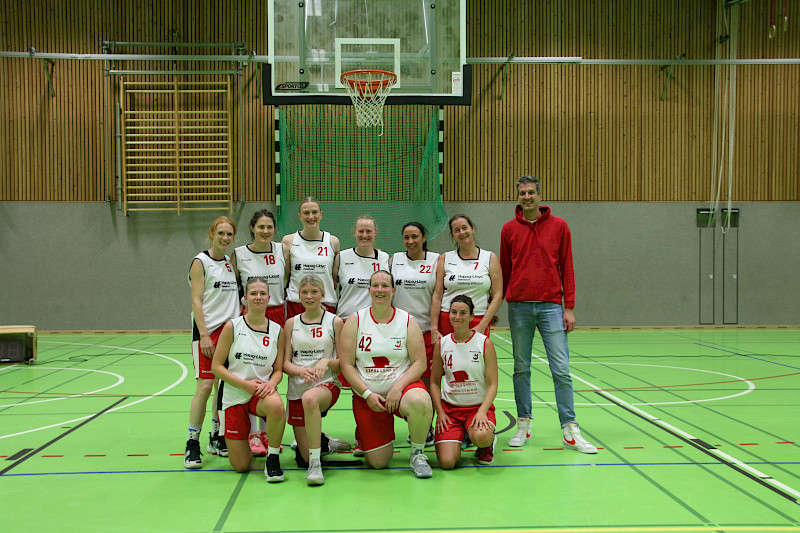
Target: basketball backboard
<point x="312" y="42"/>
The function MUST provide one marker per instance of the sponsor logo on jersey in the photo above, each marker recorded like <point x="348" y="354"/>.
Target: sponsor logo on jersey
<point x="452" y="278"/>
<point x="398" y="282"/>
<point x="460" y="376"/>
<point x="298" y="266"/>
<point x="381" y="365"/>
<point x="351" y="281"/>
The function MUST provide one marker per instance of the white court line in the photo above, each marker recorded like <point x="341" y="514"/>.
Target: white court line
<point x="120" y="380"/>
<point x="750" y="385"/>
<point x="713" y="451"/>
<point x="184" y="373"/>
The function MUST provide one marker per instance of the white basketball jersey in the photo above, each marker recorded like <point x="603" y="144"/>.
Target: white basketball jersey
<point x="220" y="291"/>
<point x="270" y="265"/>
<point x="381" y="350"/>
<point x="464" y="379"/>
<point x="311" y="257"/>
<point x="310" y="343"/>
<point x="414" y="281"/>
<point x="251" y="356"/>
<point x="469" y="277"/>
<point x="354" y="274"/>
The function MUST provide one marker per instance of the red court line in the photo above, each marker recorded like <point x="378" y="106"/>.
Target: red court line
<point x="748" y="444"/>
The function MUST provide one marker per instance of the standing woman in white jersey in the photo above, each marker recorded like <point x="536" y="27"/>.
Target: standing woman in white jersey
<point x="310" y="251"/>
<point x="467" y="270"/>
<point x="266" y="259"/>
<point x="464" y="402"/>
<point x="356" y="265"/>
<point x="249" y="361"/>
<point x="382" y="356"/>
<point x="215" y="300"/>
<point x="414" y="273"/>
<point x="311" y="364"/>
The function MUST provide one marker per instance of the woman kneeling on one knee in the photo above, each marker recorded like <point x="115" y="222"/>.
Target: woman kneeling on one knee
<point x="249" y="360"/>
<point x="468" y="362"/>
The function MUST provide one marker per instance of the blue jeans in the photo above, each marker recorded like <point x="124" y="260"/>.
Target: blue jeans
<point x="523" y="319"/>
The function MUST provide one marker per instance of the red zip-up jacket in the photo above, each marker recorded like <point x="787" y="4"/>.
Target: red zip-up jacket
<point x="536" y="259"/>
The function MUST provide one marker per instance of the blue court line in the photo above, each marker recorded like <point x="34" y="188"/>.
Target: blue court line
<point x="746" y="355"/>
<point x="342" y="469"/>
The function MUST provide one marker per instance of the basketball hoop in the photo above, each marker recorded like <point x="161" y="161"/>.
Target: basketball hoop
<point x="368" y="90"/>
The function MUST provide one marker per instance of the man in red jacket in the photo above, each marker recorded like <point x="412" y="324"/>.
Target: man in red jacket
<point x="536" y="259"/>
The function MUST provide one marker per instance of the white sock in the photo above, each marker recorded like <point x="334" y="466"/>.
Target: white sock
<point x="314" y="453"/>
<point x="254" y="424"/>
<point x="417" y="448"/>
<point x="272" y="450"/>
<point x="194" y="431"/>
<point x="215" y="426"/>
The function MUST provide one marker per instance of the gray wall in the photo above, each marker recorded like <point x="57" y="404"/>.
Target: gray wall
<point x="86" y="266"/>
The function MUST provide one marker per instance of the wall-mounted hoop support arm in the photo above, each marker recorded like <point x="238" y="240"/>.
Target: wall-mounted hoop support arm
<point x="669" y="75"/>
<point x="505" y="75"/>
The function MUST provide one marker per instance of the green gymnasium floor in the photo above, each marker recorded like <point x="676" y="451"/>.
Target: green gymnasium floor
<point x="699" y="430"/>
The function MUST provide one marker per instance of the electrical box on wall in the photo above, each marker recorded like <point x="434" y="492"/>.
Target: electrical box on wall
<point x="729" y="217"/>
<point x="17" y="344"/>
<point x="705" y="218"/>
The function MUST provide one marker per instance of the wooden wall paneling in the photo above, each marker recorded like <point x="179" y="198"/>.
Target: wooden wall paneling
<point x="591" y="133"/>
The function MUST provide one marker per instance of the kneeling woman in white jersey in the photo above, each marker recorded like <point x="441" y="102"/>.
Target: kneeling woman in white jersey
<point x="382" y="356"/>
<point x="311" y="363"/>
<point x="247" y="361"/>
<point x="468" y="362"/>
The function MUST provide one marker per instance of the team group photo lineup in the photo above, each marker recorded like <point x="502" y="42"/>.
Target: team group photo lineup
<point x="408" y="335"/>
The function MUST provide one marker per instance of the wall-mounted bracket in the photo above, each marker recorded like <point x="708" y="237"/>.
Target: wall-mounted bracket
<point x="669" y="75"/>
<point x="505" y="75"/>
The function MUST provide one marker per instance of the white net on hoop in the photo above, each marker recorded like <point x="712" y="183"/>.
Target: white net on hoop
<point x="368" y="90"/>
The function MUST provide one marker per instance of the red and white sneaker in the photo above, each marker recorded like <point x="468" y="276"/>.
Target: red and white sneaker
<point x="574" y="441"/>
<point x="485" y="456"/>
<point x="523" y="434"/>
<point x="257" y="446"/>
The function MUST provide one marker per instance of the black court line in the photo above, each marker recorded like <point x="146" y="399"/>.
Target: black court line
<point x="40" y="448"/>
<point x="232" y="500"/>
<point x="21" y="453"/>
<point x="749" y="356"/>
<point x="703" y="447"/>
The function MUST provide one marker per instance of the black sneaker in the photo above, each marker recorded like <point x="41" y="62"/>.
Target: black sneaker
<point x="431" y="440"/>
<point x="273" y="468"/>
<point x="191" y="458"/>
<point x="216" y="445"/>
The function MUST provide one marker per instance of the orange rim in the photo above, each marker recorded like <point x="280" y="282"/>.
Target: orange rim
<point x="370" y="86"/>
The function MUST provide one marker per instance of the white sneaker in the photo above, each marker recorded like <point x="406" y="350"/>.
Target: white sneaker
<point x="523" y="433"/>
<point x="314" y="473"/>
<point x="573" y="440"/>
<point x="420" y="466"/>
<point x="337" y="445"/>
